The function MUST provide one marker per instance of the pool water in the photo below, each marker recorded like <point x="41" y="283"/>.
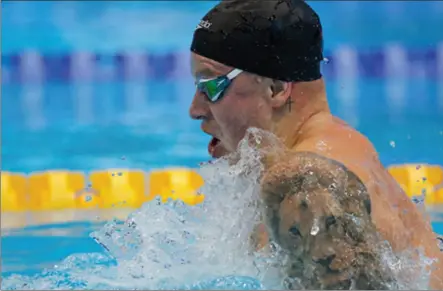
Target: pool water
<point x="145" y="124"/>
<point x="29" y="251"/>
<point x="77" y="26"/>
<point x="128" y="125"/>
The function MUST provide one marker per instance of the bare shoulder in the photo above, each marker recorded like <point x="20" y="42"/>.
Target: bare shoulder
<point x="305" y="171"/>
<point x="311" y="182"/>
<point x="320" y="213"/>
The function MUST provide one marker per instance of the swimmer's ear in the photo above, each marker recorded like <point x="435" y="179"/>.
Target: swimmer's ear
<point x="281" y="92"/>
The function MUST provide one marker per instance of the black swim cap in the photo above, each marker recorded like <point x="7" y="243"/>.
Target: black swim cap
<point x="277" y="39"/>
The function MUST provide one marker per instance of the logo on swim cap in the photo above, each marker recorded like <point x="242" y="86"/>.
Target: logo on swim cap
<point x="204" y="24"/>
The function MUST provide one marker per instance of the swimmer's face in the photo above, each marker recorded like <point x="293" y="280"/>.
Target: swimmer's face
<point x="245" y="103"/>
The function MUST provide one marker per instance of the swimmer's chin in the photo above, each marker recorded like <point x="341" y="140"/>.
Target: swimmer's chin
<point x="216" y="155"/>
<point x="223" y="154"/>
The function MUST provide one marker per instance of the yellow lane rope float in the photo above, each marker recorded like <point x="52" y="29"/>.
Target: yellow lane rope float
<point x="128" y="188"/>
<point x="420" y="180"/>
<point x="113" y="188"/>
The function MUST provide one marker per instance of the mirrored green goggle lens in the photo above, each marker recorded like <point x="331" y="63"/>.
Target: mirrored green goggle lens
<point x="213" y="89"/>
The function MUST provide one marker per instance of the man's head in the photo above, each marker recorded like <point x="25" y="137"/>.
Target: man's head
<point x="247" y="58"/>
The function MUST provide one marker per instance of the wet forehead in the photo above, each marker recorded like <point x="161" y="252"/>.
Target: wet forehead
<point x="206" y="68"/>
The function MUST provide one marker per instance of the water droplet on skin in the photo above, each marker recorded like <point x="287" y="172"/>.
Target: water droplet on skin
<point x="321" y="145"/>
<point x="392" y="143"/>
<point x="315" y="228"/>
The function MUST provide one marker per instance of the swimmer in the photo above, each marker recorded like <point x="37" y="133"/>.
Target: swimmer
<point x="330" y="203"/>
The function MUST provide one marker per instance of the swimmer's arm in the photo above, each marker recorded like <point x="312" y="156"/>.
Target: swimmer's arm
<point x="309" y="205"/>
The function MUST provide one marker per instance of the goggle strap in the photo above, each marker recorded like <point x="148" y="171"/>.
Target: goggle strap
<point x="234" y="73"/>
<point x="231" y="75"/>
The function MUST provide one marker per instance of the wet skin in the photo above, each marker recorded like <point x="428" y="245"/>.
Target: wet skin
<point x="329" y="177"/>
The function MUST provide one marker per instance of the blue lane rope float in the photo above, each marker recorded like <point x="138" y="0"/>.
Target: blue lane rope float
<point x="37" y="67"/>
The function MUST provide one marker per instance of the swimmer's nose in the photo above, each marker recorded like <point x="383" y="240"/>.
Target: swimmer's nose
<point x="199" y="108"/>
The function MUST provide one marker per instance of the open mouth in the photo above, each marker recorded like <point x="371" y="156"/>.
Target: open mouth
<point x="212" y="147"/>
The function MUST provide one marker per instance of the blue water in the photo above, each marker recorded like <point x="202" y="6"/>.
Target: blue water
<point x="96" y="130"/>
<point x="146" y="124"/>
<point x="117" y="25"/>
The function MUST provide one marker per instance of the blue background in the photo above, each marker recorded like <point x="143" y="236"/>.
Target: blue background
<point x="85" y="126"/>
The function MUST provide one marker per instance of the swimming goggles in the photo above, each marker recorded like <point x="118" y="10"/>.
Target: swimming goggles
<point x="215" y="88"/>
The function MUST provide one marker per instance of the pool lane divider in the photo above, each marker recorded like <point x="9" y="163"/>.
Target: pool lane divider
<point x="30" y="66"/>
<point x="420" y="181"/>
<point x="107" y="189"/>
<point x="131" y="188"/>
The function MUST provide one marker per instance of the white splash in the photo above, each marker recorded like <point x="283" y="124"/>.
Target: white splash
<point x="169" y="246"/>
<point x="174" y="246"/>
